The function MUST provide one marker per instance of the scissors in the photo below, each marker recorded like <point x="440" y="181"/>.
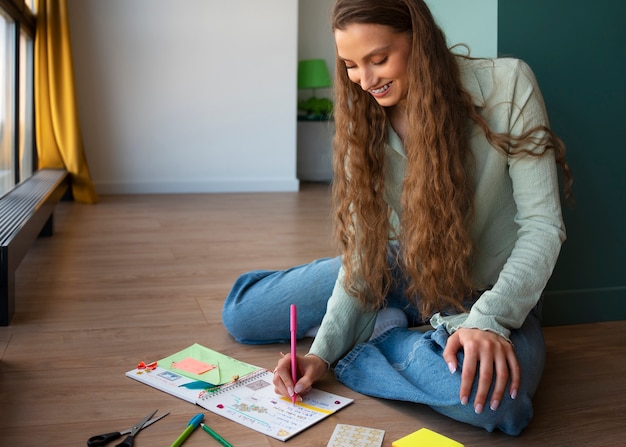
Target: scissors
<point x="100" y="440"/>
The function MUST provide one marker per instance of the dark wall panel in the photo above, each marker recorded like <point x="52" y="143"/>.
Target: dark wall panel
<point x="578" y="52"/>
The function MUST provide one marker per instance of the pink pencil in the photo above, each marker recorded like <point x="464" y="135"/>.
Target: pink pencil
<point x="294" y="364"/>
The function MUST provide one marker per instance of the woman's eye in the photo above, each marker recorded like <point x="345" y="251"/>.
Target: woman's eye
<point x="380" y="61"/>
<point x="349" y="67"/>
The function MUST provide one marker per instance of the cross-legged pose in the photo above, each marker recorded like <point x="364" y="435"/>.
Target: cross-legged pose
<point x="447" y="211"/>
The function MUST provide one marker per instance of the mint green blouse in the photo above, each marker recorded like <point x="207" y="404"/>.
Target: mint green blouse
<point x="517" y="229"/>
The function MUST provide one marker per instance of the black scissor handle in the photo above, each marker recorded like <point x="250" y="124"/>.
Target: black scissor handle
<point x="100" y="440"/>
<point x="128" y="442"/>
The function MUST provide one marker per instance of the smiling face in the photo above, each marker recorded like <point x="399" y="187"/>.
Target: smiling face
<point x="376" y="58"/>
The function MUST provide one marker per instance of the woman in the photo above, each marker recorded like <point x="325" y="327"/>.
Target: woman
<point x="447" y="210"/>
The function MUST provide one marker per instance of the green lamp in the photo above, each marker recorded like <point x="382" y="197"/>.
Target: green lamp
<point x="313" y="74"/>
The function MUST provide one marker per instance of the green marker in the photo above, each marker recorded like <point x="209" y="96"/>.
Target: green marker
<point x="215" y="436"/>
<point x="193" y="424"/>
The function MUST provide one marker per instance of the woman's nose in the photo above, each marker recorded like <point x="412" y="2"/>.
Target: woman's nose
<point x="367" y="79"/>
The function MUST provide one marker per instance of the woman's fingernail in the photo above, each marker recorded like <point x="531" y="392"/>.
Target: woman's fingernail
<point x="451" y="367"/>
<point x="514" y="394"/>
<point x="290" y="391"/>
<point x="494" y="405"/>
<point x="478" y="408"/>
<point x="297" y="389"/>
<point x="464" y="400"/>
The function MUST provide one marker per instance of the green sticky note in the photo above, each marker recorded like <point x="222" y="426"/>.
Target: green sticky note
<point x="220" y="368"/>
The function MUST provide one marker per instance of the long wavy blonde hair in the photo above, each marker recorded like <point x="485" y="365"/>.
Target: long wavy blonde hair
<point x="436" y="248"/>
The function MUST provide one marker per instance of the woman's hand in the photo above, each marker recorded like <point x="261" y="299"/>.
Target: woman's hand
<point x="494" y="354"/>
<point x="310" y="370"/>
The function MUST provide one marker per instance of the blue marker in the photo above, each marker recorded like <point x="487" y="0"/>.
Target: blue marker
<point x="191" y="426"/>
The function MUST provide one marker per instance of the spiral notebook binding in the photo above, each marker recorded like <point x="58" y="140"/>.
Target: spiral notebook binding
<point x="245" y="380"/>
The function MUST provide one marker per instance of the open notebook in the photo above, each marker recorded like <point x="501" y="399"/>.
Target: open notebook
<point x="236" y="390"/>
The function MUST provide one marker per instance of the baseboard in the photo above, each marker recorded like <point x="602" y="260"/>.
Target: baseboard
<point x="199" y="187"/>
<point x="584" y="306"/>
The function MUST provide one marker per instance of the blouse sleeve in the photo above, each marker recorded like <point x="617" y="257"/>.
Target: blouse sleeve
<point x="345" y="324"/>
<point x="541" y="231"/>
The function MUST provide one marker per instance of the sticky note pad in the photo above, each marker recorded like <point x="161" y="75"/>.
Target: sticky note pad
<point x="355" y="436"/>
<point x="425" y="438"/>
<point x="192" y="366"/>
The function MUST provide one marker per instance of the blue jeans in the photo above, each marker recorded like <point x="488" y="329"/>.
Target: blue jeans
<point x="401" y="364"/>
<point x="404" y="364"/>
<point x="256" y="310"/>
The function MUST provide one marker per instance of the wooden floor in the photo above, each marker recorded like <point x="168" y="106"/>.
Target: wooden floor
<point x="140" y="277"/>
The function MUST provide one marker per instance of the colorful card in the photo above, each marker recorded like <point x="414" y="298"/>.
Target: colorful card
<point x="355" y="436"/>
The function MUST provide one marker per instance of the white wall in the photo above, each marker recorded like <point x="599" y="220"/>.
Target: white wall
<point x="200" y="95"/>
<point x="187" y="95"/>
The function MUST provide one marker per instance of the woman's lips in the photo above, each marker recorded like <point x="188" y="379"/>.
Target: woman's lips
<point x="381" y="91"/>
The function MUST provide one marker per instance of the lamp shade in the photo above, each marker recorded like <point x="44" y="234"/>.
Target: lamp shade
<point x="313" y="73"/>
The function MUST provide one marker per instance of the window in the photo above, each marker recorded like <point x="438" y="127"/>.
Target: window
<point x="7" y="175"/>
<point x="26" y="135"/>
<point x="17" y="132"/>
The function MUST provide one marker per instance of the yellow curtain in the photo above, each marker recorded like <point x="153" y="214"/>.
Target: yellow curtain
<point x="59" y="140"/>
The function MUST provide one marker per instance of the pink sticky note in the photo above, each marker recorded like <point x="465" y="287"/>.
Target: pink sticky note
<point x="193" y="366"/>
